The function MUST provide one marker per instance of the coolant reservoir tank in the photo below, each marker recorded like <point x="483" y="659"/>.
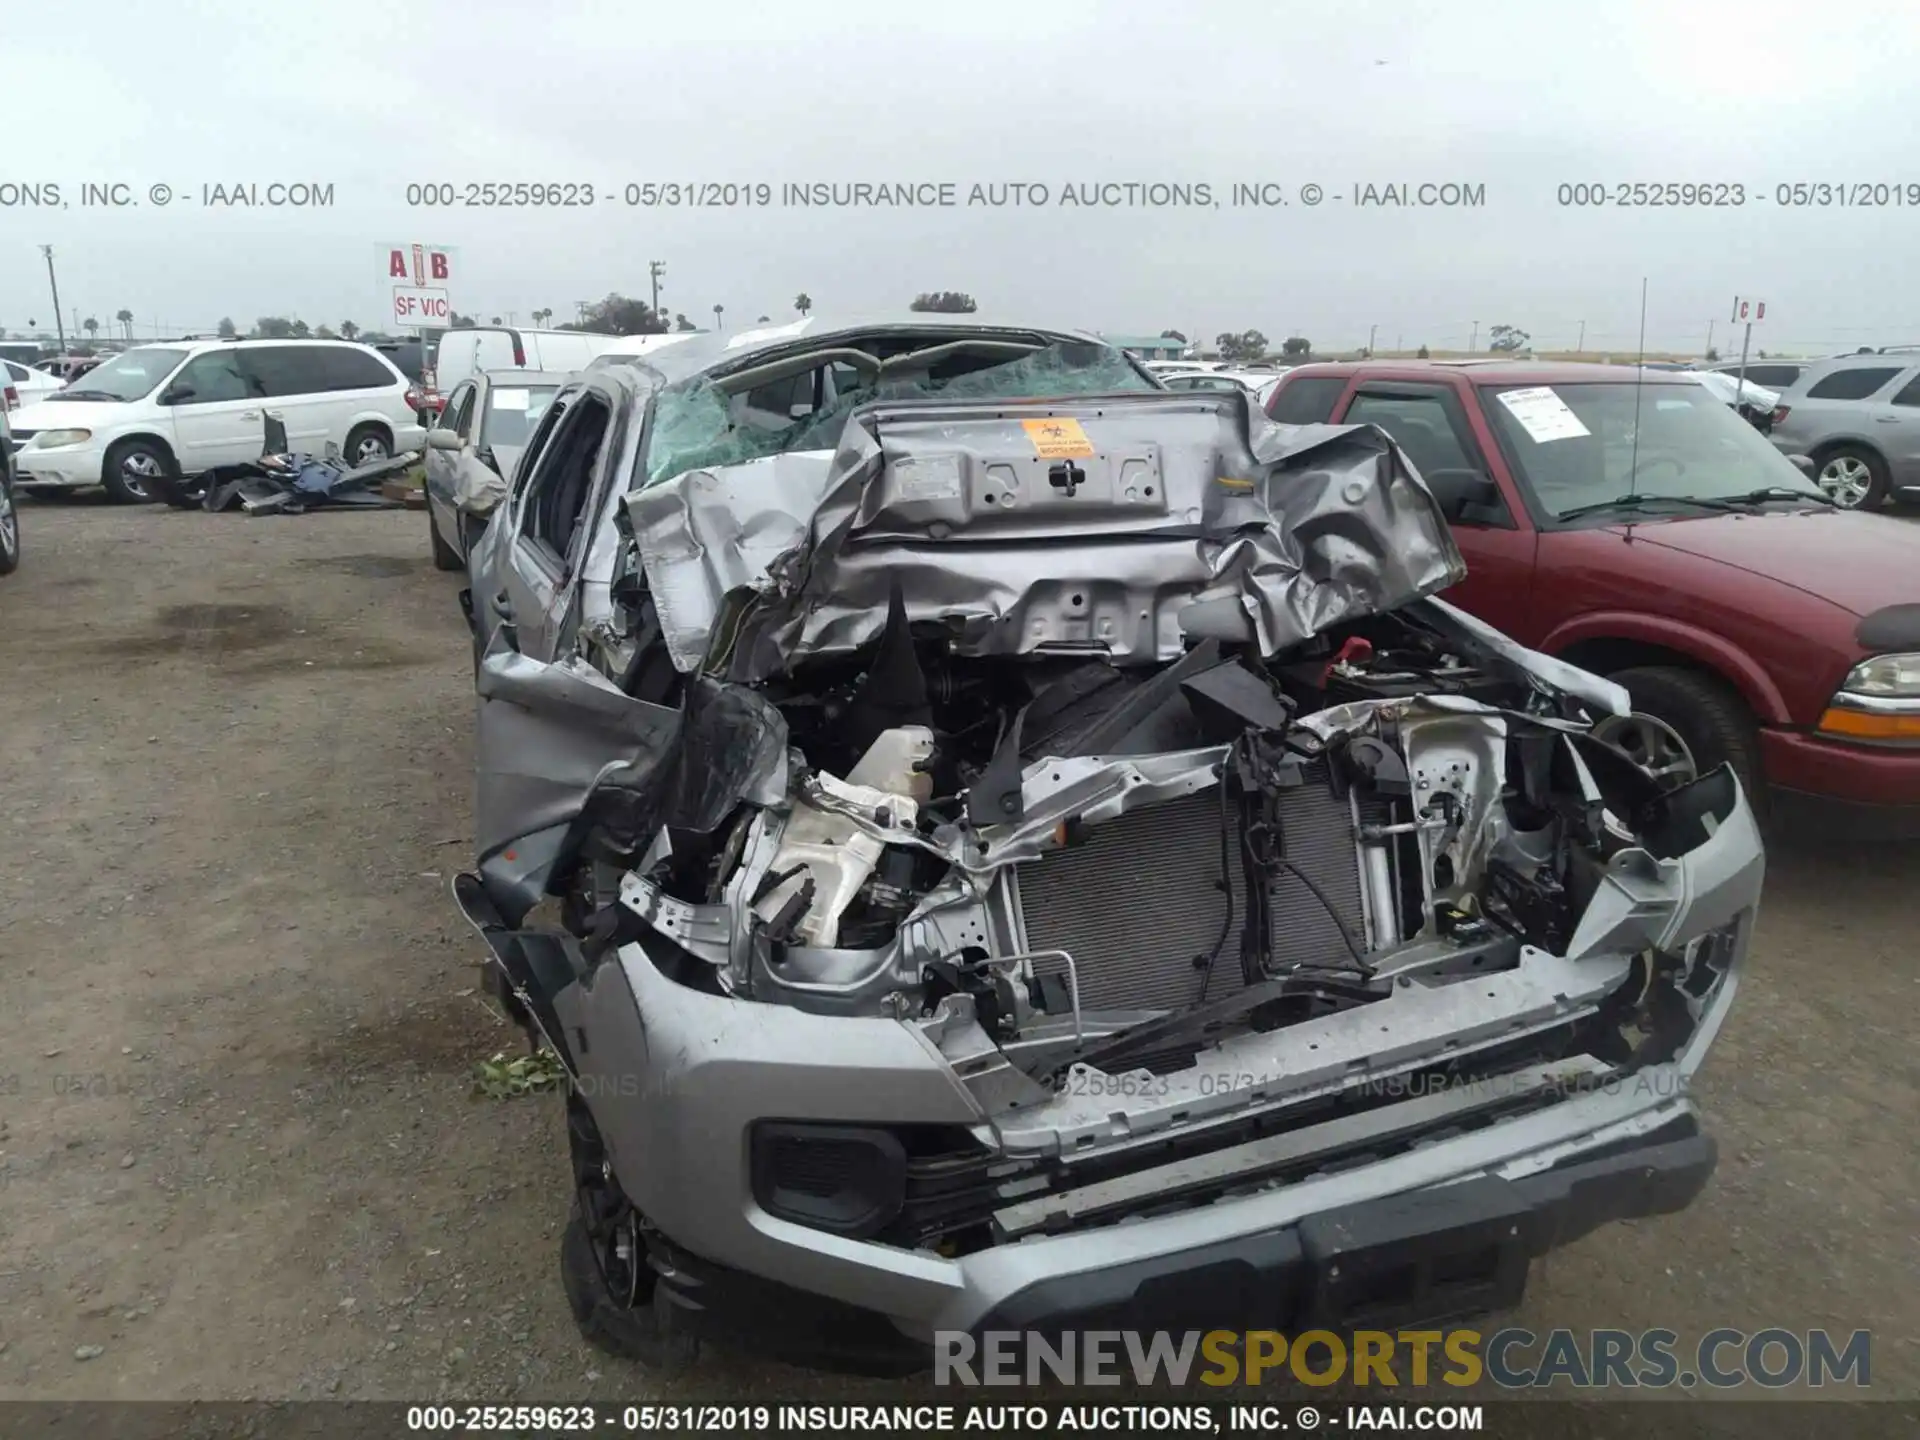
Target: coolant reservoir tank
<point x="893" y="763"/>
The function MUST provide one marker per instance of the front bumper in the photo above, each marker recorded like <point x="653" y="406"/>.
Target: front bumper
<point x="1421" y="1258"/>
<point x="67" y="467"/>
<point x="1831" y="789"/>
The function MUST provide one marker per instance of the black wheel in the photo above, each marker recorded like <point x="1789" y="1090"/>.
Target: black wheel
<point x="367" y="444"/>
<point x="132" y="467"/>
<point x="1853" y="476"/>
<point x="611" y="1288"/>
<point x="9" y="525"/>
<point x="445" y="557"/>
<point x="1701" y="714"/>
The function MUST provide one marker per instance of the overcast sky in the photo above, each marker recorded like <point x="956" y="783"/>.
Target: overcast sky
<point x="1518" y="97"/>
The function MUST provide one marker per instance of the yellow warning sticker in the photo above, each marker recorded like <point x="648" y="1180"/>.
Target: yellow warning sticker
<point x="1058" y="439"/>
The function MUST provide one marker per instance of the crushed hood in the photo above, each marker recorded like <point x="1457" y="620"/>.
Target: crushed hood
<point x="1127" y="527"/>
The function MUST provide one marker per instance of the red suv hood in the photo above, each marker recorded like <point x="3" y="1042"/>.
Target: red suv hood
<point x="1858" y="562"/>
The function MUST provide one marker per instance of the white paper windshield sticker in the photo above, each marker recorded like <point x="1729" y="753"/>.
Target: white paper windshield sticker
<point x="1543" y="414"/>
<point x="511" y="399"/>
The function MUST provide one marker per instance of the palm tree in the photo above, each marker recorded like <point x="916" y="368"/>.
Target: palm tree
<point x="125" y="317"/>
<point x="348" y="329"/>
<point x="718" y="311"/>
<point x="803" y="302"/>
<point x="541" y="317"/>
<point x="495" y="320"/>
<point x="763" y="320"/>
<point x="91" y="326"/>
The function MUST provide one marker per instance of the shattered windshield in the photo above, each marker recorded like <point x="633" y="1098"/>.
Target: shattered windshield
<point x="700" y="425"/>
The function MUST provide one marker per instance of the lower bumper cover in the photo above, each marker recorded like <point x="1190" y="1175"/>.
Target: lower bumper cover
<point x="1829" y="790"/>
<point x="67" y="470"/>
<point x="1425" y="1257"/>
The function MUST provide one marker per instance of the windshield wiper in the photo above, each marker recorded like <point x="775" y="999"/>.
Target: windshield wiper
<point x="1639" y="501"/>
<point x="83" y="395"/>
<point x="1782" y="492"/>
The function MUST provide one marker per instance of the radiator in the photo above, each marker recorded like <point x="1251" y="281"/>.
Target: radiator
<point x="1139" y="899"/>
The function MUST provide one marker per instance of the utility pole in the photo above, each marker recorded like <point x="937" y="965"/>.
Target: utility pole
<point x="1372" y="330"/>
<point x="1708" y="354"/>
<point x="1580" y="345"/>
<point x="47" y="250"/>
<point x="1473" y="341"/>
<point x="655" y="269"/>
<point x="580" y="312"/>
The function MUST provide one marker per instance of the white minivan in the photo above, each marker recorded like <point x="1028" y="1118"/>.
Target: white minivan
<point x="180" y="409"/>
<point x="463" y="354"/>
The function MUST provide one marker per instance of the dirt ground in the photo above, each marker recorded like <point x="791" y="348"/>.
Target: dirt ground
<point x="239" y="1152"/>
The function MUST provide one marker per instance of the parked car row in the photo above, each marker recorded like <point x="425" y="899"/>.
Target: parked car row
<point x="892" y="747"/>
<point x="176" y="411"/>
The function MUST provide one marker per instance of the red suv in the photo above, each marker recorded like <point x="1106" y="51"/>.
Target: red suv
<point x="1631" y="524"/>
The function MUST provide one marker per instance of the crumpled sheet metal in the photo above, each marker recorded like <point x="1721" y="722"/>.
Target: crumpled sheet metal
<point x="1185" y="498"/>
<point x="551" y="733"/>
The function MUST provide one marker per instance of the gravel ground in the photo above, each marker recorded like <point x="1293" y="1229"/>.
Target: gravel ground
<point x="239" y="1156"/>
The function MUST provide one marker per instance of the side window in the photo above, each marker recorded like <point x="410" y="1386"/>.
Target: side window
<point x="1909" y="393"/>
<point x="1309" y="400"/>
<point x="18" y="372"/>
<point x="283" y="370"/>
<point x="214" y="377"/>
<point x="563" y="478"/>
<point x="345" y="368"/>
<point x="1852" y="384"/>
<point x="457" y="415"/>
<point x="1774" y="377"/>
<point x="1419" y="425"/>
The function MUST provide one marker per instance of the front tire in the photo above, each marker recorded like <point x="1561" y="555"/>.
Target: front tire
<point x="611" y="1286"/>
<point x="445" y="557"/>
<point x="9" y="525"/>
<point x="1853" y="477"/>
<point x="133" y="468"/>
<point x="1706" y="714"/>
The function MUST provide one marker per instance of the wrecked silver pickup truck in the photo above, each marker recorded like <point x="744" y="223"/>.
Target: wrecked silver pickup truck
<point x="1026" y="850"/>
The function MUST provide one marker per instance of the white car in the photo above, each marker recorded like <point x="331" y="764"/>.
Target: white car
<point x="632" y="347"/>
<point x="1732" y="390"/>
<point x="475" y="349"/>
<point x="27" y="384"/>
<point x="1261" y="383"/>
<point x="157" y="411"/>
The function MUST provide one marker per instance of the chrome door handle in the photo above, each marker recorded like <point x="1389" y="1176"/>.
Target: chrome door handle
<point x="1887" y="419"/>
<point x="249" y="414"/>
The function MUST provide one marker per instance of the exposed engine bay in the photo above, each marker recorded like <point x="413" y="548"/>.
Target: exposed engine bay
<point x="1075" y="857"/>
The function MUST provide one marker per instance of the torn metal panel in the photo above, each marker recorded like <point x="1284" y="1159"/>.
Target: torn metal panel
<point x="1153" y="504"/>
<point x="547" y="735"/>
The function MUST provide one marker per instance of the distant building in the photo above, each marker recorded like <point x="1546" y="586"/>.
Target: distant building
<point x="1150" y="347"/>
